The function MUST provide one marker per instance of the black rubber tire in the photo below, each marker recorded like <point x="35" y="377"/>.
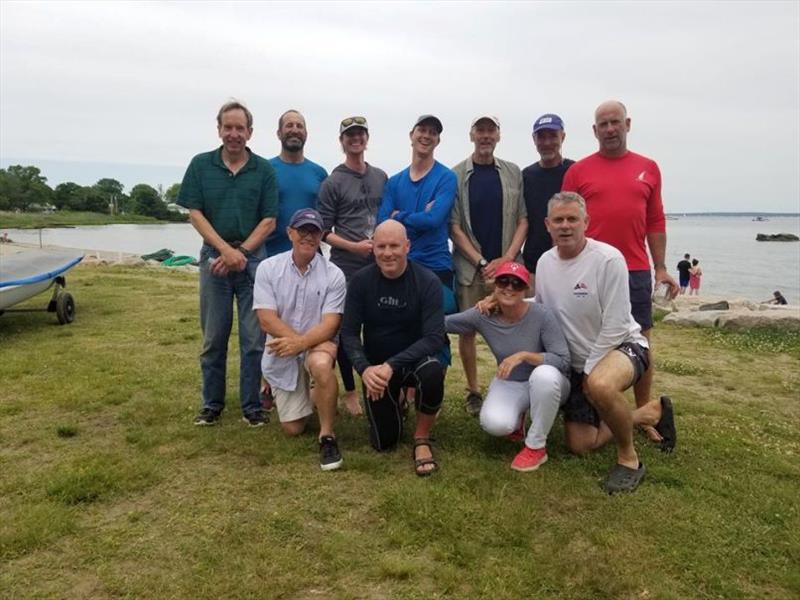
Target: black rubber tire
<point x="65" y="308"/>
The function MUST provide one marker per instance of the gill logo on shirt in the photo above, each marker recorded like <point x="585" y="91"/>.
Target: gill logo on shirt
<point x="390" y="302"/>
<point x="581" y="290"/>
<point x="642" y="176"/>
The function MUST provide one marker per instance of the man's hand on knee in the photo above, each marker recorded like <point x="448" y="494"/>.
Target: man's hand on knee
<point x="375" y="379"/>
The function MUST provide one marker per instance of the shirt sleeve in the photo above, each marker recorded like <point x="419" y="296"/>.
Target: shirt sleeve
<point x="463" y="322"/>
<point x="263" y="293"/>
<point x="337" y="290"/>
<point x="615" y="303"/>
<point x="351" y="325"/>
<point x="556" y="349"/>
<point x="387" y="202"/>
<point x="656" y="221"/>
<point x="570" y="183"/>
<point x="455" y="214"/>
<point x="441" y="205"/>
<point x="326" y="204"/>
<point x="269" y="193"/>
<point x="190" y="195"/>
<point x="433" y="334"/>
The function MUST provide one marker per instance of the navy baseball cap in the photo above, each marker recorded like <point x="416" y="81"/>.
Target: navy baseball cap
<point x="548" y="121"/>
<point x="306" y="216"/>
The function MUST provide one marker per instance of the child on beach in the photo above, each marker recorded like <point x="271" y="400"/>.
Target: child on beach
<point x="695" y="274"/>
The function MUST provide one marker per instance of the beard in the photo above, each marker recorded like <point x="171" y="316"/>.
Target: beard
<point x="293" y="144"/>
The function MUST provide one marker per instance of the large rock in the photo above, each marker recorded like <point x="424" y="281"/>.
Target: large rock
<point x="776" y="237"/>
<point x="742" y="314"/>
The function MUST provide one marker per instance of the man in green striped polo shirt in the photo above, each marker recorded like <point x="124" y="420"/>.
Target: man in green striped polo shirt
<point x="232" y="197"/>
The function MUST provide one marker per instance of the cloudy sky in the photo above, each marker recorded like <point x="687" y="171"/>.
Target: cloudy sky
<point x="130" y="90"/>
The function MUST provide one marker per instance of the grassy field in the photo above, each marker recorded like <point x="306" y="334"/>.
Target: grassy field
<point x="107" y="490"/>
<point x="66" y="218"/>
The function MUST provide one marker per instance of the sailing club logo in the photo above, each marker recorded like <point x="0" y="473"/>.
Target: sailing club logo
<point x="581" y="290"/>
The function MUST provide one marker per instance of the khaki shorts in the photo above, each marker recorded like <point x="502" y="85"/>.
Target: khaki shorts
<point x="468" y="296"/>
<point x="297" y="404"/>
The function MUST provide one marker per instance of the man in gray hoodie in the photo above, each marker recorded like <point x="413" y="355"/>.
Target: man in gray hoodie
<point x="348" y="202"/>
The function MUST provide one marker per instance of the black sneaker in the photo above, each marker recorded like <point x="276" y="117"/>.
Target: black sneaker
<point x="207" y="416"/>
<point x="256" y="419"/>
<point x="330" y="458"/>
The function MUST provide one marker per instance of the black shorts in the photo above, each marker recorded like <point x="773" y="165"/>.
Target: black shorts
<point x="640" y="284"/>
<point x="578" y="409"/>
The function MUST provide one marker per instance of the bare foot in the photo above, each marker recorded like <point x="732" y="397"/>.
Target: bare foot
<point x="651" y="413"/>
<point x="352" y="404"/>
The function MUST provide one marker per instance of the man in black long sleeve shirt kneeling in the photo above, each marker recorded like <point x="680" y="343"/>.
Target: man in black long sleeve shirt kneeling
<point x="399" y="306"/>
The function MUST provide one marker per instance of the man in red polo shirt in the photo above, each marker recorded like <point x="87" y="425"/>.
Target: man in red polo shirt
<point x="623" y="198"/>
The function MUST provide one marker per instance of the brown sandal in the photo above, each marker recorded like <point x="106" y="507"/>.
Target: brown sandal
<point x="422" y="462"/>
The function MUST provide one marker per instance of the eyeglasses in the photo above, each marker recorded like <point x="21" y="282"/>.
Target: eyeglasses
<point x="516" y="284"/>
<point x="353" y="120"/>
<point x="308" y="232"/>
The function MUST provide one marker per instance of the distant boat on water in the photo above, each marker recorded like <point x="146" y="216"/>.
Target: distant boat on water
<point x="760" y="219"/>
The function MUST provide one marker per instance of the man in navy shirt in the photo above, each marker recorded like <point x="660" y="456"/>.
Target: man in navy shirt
<point x="488" y="225"/>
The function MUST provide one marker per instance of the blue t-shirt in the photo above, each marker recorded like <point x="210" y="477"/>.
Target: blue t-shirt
<point x="424" y="208"/>
<point x="486" y="209"/>
<point x="298" y="186"/>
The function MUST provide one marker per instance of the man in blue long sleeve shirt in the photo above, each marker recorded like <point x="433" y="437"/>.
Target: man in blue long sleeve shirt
<point x="421" y="198"/>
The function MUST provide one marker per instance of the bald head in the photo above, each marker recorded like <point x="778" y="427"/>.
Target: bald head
<point x="390" y="246"/>
<point x="611" y="127"/>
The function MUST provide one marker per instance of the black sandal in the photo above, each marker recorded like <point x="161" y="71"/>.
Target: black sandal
<point x="421" y="462"/>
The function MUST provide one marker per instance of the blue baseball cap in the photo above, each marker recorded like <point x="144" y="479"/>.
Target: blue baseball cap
<point x="306" y="216"/>
<point x="548" y="121"/>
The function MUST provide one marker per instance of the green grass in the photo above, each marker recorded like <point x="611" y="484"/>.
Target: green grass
<point x="66" y="218"/>
<point x="107" y="490"/>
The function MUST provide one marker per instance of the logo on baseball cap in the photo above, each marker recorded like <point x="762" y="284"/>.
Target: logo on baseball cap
<point x="548" y="121"/>
<point x="514" y="269"/>
<point x="306" y="216"/>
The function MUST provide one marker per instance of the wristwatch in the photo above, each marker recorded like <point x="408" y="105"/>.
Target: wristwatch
<point x="482" y="263"/>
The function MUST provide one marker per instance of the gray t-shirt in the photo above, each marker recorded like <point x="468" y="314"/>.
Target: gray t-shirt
<point x="348" y="202"/>
<point x="537" y="331"/>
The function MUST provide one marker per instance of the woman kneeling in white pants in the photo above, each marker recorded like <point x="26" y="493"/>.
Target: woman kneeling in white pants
<point x="532" y="364"/>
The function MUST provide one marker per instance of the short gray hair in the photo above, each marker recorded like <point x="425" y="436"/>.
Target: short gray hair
<point x="234" y="104"/>
<point x="567" y="198"/>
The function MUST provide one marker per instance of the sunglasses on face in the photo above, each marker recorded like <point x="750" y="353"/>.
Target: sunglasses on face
<point x="351" y="120"/>
<point x="516" y="284"/>
<point x="308" y="232"/>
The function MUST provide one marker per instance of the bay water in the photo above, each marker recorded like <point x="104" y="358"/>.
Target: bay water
<point x="734" y="263"/>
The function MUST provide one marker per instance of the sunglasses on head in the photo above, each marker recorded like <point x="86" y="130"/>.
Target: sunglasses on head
<point x="353" y="120"/>
<point x="506" y="280"/>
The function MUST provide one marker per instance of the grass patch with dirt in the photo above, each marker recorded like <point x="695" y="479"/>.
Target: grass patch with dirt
<point x="107" y="489"/>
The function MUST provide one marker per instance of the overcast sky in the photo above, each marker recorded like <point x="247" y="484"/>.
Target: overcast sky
<point x="713" y="89"/>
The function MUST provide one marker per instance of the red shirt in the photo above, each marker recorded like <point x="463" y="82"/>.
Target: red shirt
<point x="623" y="199"/>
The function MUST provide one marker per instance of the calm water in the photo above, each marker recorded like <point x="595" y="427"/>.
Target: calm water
<point x="734" y="264"/>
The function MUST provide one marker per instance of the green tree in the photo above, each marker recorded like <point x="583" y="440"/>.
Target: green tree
<point x="146" y="201"/>
<point x="24" y="188"/>
<point x="67" y="196"/>
<point x="171" y="195"/>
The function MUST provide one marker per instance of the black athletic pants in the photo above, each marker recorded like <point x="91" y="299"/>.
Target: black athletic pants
<point x="385" y="416"/>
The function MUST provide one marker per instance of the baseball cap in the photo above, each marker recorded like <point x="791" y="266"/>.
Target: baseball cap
<point x="306" y="216"/>
<point x="351" y="122"/>
<point x="436" y="122"/>
<point x="491" y="118"/>
<point x="548" y="121"/>
<point x="515" y="269"/>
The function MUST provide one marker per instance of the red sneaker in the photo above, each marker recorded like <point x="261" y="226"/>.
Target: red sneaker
<point x="529" y="459"/>
<point x="519" y="433"/>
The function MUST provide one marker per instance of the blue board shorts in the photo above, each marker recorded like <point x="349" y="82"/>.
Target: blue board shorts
<point x="640" y="284"/>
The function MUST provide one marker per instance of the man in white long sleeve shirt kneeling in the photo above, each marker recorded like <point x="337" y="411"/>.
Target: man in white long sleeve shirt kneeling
<point x="585" y="284"/>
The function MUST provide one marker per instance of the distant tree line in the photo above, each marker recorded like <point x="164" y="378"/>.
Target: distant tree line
<point x="25" y="189"/>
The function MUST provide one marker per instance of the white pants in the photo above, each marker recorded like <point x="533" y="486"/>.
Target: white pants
<point x="546" y="389"/>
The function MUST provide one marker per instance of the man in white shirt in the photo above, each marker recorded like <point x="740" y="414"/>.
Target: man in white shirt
<point x="585" y="283"/>
<point x="299" y="298"/>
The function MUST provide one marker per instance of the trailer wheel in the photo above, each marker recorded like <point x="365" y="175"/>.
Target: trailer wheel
<point x="65" y="308"/>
